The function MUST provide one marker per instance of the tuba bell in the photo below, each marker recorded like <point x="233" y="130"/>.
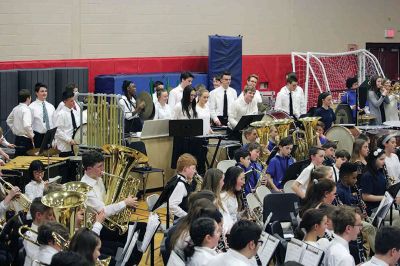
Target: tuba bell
<point x="262" y="128"/>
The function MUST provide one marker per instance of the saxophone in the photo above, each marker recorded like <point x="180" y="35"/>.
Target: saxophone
<point x="199" y="181"/>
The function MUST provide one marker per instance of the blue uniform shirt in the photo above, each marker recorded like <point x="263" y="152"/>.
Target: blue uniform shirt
<point x="277" y="168"/>
<point x="374" y="185"/>
<point x="345" y="195"/>
<point x="252" y="177"/>
<point x="327" y="116"/>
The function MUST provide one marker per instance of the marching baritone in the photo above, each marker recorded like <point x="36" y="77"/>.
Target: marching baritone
<point x="20" y="122"/>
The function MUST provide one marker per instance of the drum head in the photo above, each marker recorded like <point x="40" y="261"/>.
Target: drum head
<point x="343" y="137"/>
<point x="77" y="135"/>
<point x="343" y="114"/>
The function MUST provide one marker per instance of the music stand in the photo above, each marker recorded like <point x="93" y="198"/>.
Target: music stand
<point x="45" y="146"/>
<point x="186" y="128"/>
<point x="383" y="209"/>
<point x="246" y="120"/>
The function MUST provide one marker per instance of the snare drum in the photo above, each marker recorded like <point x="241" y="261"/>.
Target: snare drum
<point x="343" y="136"/>
<point x="77" y="135"/>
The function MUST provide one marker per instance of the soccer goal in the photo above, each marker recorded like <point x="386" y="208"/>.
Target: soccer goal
<point x="320" y="72"/>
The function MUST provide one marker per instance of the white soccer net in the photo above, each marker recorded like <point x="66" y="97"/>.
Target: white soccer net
<point x="320" y="72"/>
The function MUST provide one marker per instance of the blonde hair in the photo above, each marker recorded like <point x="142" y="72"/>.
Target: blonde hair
<point x="211" y="181"/>
<point x="185" y="160"/>
<point x="248" y="89"/>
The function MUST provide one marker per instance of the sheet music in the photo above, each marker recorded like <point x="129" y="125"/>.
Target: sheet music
<point x="312" y="256"/>
<point x="152" y="225"/>
<point x="131" y="244"/>
<point x="295" y="250"/>
<point x="266" y="251"/>
<point x="129" y="238"/>
<point x="383" y="209"/>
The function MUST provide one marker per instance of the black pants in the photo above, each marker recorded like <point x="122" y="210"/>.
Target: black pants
<point x="38" y="139"/>
<point x="68" y="170"/>
<point x="23" y="145"/>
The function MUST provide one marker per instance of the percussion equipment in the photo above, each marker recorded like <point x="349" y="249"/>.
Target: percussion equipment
<point x="392" y="124"/>
<point x="275" y="115"/>
<point x="23" y="162"/>
<point x="49" y="152"/>
<point x="343" y="136"/>
<point x="366" y="119"/>
<point x="149" y="110"/>
<point x="82" y="129"/>
<point x="343" y="114"/>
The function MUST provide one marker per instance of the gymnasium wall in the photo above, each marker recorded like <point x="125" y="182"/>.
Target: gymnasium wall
<point x="59" y="29"/>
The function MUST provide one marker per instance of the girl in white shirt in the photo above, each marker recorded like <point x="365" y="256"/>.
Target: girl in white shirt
<point x="391" y="109"/>
<point x="388" y="143"/>
<point x="162" y="109"/>
<point x="48" y="245"/>
<point x="231" y="194"/>
<point x="314" y="224"/>
<point x="35" y="188"/>
<point x="86" y="243"/>
<point x="203" y="111"/>
<point x="205" y="234"/>
<point x="186" y="108"/>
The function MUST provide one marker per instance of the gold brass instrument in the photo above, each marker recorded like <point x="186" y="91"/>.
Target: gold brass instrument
<point x="199" y="181"/>
<point x="282" y="126"/>
<point x="122" y="159"/>
<point x="20" y="202"/>
<point x="103" y="262"/>
<point x="27" y="228"/>
<point x="77" y="186"/>
<point x="310" y="126"/>
<point x="66" y="205"/>
<point x="262" y="128"/>
<point x="304" y="139"/>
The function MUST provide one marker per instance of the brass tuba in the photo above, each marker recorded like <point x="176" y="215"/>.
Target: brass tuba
<point x="262" y="128"/>
<point x="310" y="125"/>
<point x="120" y="183"/>
<point x="283" y="127"/>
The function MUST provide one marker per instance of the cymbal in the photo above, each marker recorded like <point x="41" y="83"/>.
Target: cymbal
<point x="148" y="111"/>
<point x="50" y="152"/>
<point x="367" y="117"/>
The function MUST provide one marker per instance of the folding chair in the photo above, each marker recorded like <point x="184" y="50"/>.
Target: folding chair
<point x="288" y="186"/>
<point x="262" y="192"/>
<point x="225" y="164"/>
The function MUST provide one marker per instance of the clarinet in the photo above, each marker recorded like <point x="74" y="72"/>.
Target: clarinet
<point x="337" y="201"/>
<point x="361" y="204"/>
<point x="222" y="244"/>
<point x="360" y="247"/>
<point x="363" y="208"/>
<point x="328" y="236"/>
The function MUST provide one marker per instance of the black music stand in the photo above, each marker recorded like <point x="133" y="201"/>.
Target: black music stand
<point x="46" y="145"/>
<point x="186" y="127"/>
<point x="246" y="120"/>
<point x="383" y="209"/>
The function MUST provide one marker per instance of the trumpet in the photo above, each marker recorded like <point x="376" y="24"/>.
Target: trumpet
<point x="22" y="201"/>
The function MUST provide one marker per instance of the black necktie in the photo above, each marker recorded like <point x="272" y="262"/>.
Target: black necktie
<point x="73" y="120"/>
<point x="290" y="104"/>
<point x="225" y="111"/>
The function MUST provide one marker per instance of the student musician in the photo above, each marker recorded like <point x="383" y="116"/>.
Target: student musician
<point x="20" y="122"/>
<point x="203" y="111"/>
<point x="87" y="244"/>
<point x="244" y="242"/>
<point x="162" y="108"/>
<point x="391" y="109"/>
<point x="36" y="187"/>
<point x="216" y="81"/>
<point x="329" y="148"/>
<point x="290" y="98"/>
<point x="157" y="86"/>
<point x="325" y="111"/>
<point x="221" y="100"/>
<point x="48" y="244"/>
<point x="279" y="164"/>
<point x="250" y="136"/>
<point x="175" y="95"/>
<point x="42" y="114"/>
<point x="77" y="109"/>
<point x="359" y="156"/>
<point x="377" y="98"/>
<point x="319" y="130"/>
<point x="350" y="96"/>
<point x="347" y="225"/>
<point x="4" y="143"/>
<point x="314" y="223"/>
<point x="131" y="108"/>
<point x="387" y="250"/>
<point x="252" y="81"/>
<point x="347" y="180"/>
<point x="253" y="178"/>
<point x="205" y="234"/>
<point x="317" y="156"/>
<point x="341" y="156"/>
<point x="40" y="214"/>
<point x="242" y="106"/>
<point x="232" y="191"/>
<point x="242" y="157"/>
<point x="388" y="143"/>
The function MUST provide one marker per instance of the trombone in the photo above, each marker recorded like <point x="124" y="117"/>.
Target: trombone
<point x="25" y="237"/>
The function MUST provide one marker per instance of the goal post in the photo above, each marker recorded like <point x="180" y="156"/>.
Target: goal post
<point x="321" y="72"/>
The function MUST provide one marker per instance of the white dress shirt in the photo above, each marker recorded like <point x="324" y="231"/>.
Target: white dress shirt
<point x="204" y="113"/>
<point x="175" y="260"/>
<point x="231" y="204"/>
<point x="175" y="96"/>
<point x="257" y="96"/>
<point x="298" y="98"/>
<point x="96" y="197"/>
<point x="228" y="222"/>
<point x="45" y="255"/>
<point x="231" y="257"/>
<point x="128" y="107"/>
<point x="338" y="253"/>
<point x="216" y="101"/>
<point x="374" y="261"/>
<point x="391" y="109"/>
<point x="38" y="123"/>
<point x="31" y="249"/>
<point x="34" y="189"/>
<point x="162" y="111"/>
<point x="65" y="130"/>
<point x="4" y="142"/>
<point x="393" y="166"/>
<point x="20" y="121"/>
<point x="155" y="97"/>
<point x="3" y="208"/>
<point x="240" y="108"/>
<point x="304" y="177"/>
<point x="178" y="114"/>
<point x="201" y="256"/>
<point x="176" y="198"/>
<point x="76" y="110"/>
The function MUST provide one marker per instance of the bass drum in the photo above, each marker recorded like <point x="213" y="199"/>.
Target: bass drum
<point x="271" y="116"/>
<point x="342" y="136"/>
<point x="77" y="135"/>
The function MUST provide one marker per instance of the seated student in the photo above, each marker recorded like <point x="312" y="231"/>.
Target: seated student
<point x="36" y="187"/>
<point x="231" y="194"/>
<point x="341" y="156"/>
<point x="325" y="111"/>
<point x="279" y="164"/>
<point x="329" y="148"/>
<point x="250" y="136"/>
<point x="317" y="158"/>
<point x="321" y="139"/>
<point x="41" y="214"/>
<point x="4" y="142"/>
<point x="387" y="244"/>
<point x="244" y="242"/>
<point x="68" y="258"/>
<point x="5" y="203"/>
<point x="48" y="244"/>
<point x="347" y="180"/>
<point x="186" y="169"/>
<point x="347" y="225"/>
<point x="388" y="143"/>
<point x="87" y="244"/>
<point x="242" y="158"/>
<point x="205" y="234"/>
<point x="253" y="177"/>
<point x="328" y="210"/>
<point x="314" y="223"/>
<point x="273" y="135"/>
